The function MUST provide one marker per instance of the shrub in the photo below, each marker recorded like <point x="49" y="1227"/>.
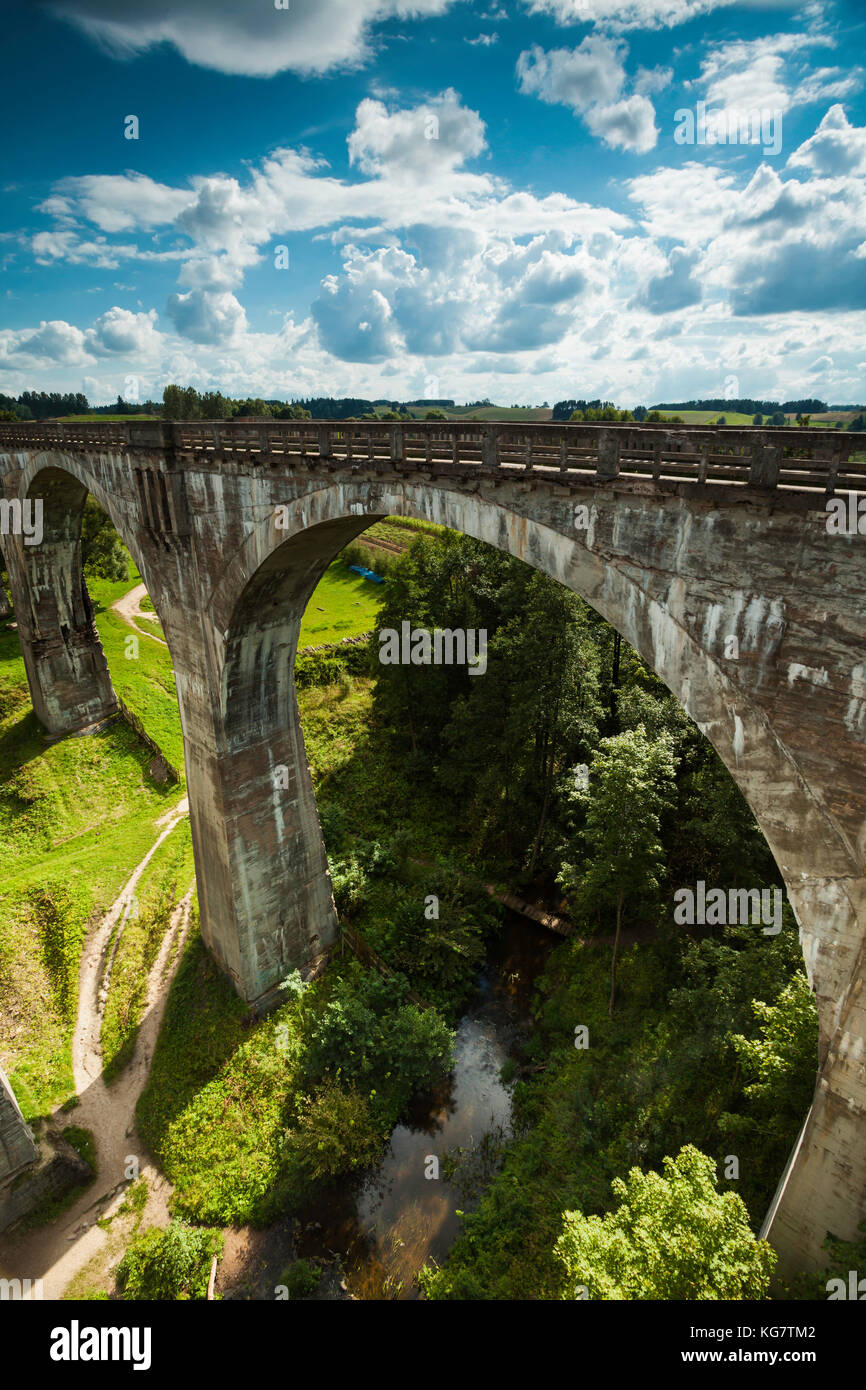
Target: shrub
<point x="335" y="1133"/>
<point x="300" y="1279"/>
<point x="174" y="1264"/>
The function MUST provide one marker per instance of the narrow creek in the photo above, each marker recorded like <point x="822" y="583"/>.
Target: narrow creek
<point x="386" y="1226"/>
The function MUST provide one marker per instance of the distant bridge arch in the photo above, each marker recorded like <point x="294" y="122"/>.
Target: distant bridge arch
<point x="691" y="537"/>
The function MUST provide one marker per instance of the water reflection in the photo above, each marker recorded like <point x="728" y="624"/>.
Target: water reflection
<point x="396" y="1219"/>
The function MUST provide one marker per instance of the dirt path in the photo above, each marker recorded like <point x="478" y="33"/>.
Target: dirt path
<point x="129" y="609"/>
<point x="58" y="1251"/>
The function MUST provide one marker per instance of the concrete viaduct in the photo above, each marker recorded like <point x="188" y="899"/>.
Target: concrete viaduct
<point x="681" y="538"/>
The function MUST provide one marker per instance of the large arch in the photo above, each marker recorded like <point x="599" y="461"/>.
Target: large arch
<point x="262" y="594"/>
<point x="264" y="590"/>
<point x="67" y="672"/>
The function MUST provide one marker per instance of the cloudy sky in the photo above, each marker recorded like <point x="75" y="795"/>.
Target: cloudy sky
<point x="403" y="198"/>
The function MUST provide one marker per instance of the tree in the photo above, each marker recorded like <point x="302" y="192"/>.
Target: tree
<point x="257" y="409"/>
<point x="535" y="712"/>
<point x="782" y="1065"/>
<point x="757" y="418"/>
<point x="435" y="415"/>
<point x="632" y="783"/>
<point x="103" y="554"/>
<point x="180" y="403"/>
<point x="671" y="1236"/>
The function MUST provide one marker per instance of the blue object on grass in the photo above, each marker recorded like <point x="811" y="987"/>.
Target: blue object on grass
<point x="368" y="574"/>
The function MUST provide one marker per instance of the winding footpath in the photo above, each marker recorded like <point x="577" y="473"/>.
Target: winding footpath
<point x="55" y="1253"/>
<point x="129" y="608"/>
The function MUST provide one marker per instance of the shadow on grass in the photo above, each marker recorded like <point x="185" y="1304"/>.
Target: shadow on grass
<point x="204" y="1024"/>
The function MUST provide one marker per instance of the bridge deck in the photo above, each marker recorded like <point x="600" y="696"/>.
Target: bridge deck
<point x="810" y="462"/>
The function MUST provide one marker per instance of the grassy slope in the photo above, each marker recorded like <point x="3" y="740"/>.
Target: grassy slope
<point x="343" y="605"/>
<point x="75" y="818"/>
<point x="217" y="1103"/>
<point x="145" y="682"/>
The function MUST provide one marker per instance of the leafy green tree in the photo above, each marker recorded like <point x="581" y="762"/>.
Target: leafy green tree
<point x="103" y="554"/>
<point x="671" y="1236"/>
<point x="781" y="1066"/>
<point x="257" y="409"/>
<point x="180" y="403"/>
<point x="521" y="726"/>
<point x="632" y="784"/>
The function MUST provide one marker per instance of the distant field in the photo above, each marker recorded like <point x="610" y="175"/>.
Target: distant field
<point x="531" y="414"/>
<point x="343" y="605"/>
<point x="733" y="417"/>
<point x="72" y="419"/>
<point x="708" y="417"/>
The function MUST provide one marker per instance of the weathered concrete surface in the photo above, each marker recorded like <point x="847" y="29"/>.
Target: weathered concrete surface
<point x="677" y="570"/>
<point x="66" y="667"/>
<point x="17" y="1146"/>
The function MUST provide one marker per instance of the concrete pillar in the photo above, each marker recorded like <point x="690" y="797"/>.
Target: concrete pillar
<point x="265" y="893"/>
<point x="823" y="1188"/>
<point x="70" y="685"/>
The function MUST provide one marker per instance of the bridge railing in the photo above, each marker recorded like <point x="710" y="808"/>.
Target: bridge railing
<point x="800" y="459"/>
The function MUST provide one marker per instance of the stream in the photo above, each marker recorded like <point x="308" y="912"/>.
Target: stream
<point x="386" y="1225"/>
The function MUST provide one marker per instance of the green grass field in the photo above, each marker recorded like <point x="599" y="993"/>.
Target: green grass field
<point x="343" y="605"/>
<point x="145" y="681"/>
<point x="166" y="879"/>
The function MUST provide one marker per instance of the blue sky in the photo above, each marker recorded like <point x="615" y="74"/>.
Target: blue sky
<point x="507" y="201"/>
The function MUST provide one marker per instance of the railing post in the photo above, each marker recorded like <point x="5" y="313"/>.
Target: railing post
<point x="397" y="450"/>
<point x="841" y="451"/>
<point x="608" y="456"/>
<point x="766" y="460"/>
<point x="324" y="441"/>
<point x="489" y="447"/>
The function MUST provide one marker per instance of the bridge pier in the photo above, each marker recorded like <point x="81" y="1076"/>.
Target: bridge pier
<point x="823" y="1188"/>
<point x="265" y="893"/>
<point x="68" y="675"/>
<point x="264" y="888"/>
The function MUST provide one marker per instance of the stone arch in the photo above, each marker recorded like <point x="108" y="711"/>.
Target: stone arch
<point x="69" y="680"/>
<point x="816" y="850"/>
<point x="267" y="586"/>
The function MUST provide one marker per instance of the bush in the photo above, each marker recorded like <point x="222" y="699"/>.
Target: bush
<point x="165" y="1266"/>
<point x="368" y="1037"/>
<point x="340" y="662"/>
<point x="300" y="1279"/>
<point x="350" y="885"/>
<point x="335" y="1133"/>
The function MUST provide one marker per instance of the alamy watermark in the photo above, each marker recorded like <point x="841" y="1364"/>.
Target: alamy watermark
<point x="443" y="647"/>
<point x="846" y="516"/>
<point x="729" y="126"/>
<point x="739" y="907"/>
<point x="19" y="518"/>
